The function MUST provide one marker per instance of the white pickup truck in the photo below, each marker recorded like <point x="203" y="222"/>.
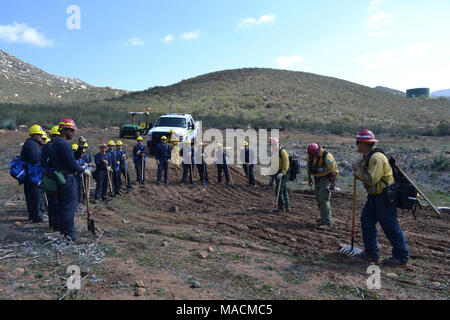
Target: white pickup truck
<point x="183" y="125"/>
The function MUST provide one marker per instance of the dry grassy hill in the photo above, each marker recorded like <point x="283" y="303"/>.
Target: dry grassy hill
<point x="267" y="97"/>
<point x="21" y="82"/>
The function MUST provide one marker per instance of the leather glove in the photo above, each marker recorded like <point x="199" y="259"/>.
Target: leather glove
<point x="139" y="152"/>
<point x="124" y="156"/>
<point x="118" y="163"/>
<point x="109" y="169"/>
<point x="157" y="162"/>
<point x="82" y="141"/>
<point x="280" y="176"/>
<point x="106" y="162"/>
<point x="87" y="172"/>
<point x="84" y="166"/>
<point x="92" y="165"/>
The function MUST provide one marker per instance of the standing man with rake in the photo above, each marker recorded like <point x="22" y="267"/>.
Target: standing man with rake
<point x="376" y="174"/>
<point x="282" y="177"/>
<point x="139" y="160"/>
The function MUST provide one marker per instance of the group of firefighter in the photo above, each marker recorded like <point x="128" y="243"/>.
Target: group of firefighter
<point x="110" y="164"/>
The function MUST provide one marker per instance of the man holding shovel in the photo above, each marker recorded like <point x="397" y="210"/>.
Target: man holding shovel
<point x="376" y="174"/>
<point x="323" y="167"/>
<point x="101" y="174"/>
<point x="139" y="160"/>
<point x="282" y="177"/>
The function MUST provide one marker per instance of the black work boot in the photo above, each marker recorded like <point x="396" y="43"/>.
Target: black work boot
<point x="394" y="262"/>
<point x="366" y="257"/>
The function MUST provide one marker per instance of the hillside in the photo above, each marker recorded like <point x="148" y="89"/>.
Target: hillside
<point x="441" y="93"/>
<point x="21" y="82"/>
<point x="269" y="97"/>
<point x="393" y="91"/>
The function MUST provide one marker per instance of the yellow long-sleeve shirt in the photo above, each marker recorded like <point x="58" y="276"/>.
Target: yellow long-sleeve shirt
<point x="330" y="165"/>
<point x="283" y="164"/>
<point x="377" y="171"/>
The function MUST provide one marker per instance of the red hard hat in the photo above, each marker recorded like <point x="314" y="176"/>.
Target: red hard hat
<point x="313" y="148"/>
<point x="274" y="141"/>
<point x="67" y="123"/>
<point x="366" y="136"/>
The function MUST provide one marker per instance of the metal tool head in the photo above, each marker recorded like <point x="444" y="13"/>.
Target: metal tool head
<point x="91" y="226"/>
<point x="351" y="251"/>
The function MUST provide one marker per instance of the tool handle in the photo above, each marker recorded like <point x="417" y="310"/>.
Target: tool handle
<point x="418" y="190"/>
<point x="278" y="193"/>
<point x="353" y="208"/>
<point x="86" y="192"/>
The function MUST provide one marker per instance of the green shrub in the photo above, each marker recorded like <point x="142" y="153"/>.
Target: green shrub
<point x="8" y="124"/>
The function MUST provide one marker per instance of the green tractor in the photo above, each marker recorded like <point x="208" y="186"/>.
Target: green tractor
<point x="136" y="129"/>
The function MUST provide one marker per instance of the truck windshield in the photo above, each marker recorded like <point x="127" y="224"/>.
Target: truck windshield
<point x="171" y="122"/>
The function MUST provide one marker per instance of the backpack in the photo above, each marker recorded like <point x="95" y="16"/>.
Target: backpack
<point x="293" y="165"/>
<point x="402" y="194"/>
<point x="18" y="169"/>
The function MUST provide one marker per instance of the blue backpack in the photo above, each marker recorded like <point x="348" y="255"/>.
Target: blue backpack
<point x="36" y="173"/>
<point x="18" y="169"/>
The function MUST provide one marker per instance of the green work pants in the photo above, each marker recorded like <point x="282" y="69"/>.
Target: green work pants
<point x="323" y="196"/>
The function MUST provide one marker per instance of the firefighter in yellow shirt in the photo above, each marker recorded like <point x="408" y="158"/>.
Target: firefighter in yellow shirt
<point x="282" y="176"/>
<point x="376" y="174"/>
<point x="323" y="167"/>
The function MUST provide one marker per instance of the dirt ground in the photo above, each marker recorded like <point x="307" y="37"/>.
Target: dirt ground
<point x="164" y="238"/>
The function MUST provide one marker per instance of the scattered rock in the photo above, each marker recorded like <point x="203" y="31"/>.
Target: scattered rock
<point x="10" y="204"/>
<point x="392" y="274"/>
<point x="142" y="235"/>
<point x="164" y="244"/>
<point x="129" y="261"/>
<point x="22" y="285"/>
<point x="22" y="126"/>
<point x="210" y="249"/>
<point x="270" y="230"/>
<point x="18" y="224"/>
<point x="125" y="221"/>
<point x="293" y="239"/>
<point x="140" y="284"/>
<point x="19" y="271"/>
<point x="195" y="284"/>
<point x="202" y="254"/>
<point x="436" y="284"/>
<point x="140" y="292"/>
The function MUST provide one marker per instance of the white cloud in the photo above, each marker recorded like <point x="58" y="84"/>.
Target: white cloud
<point x="415" y="65"/>
<point x="190" y="35"/>
<point x="252" y="21"/>
<point x="377" y="19"/>
<point x="136" y="42"/>
<point x="290" y="62"/>
<point x="169" y="38"/>
<point x="22" y="33"/>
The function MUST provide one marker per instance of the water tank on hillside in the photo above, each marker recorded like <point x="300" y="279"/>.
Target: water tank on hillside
<point x="418" y="92"/>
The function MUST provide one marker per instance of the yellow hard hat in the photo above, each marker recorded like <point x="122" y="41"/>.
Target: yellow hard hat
<point x="111" y="143"/>
<point x="187" y="141"/>
<point x="74" y="147"/>
<point x="219" y="145"/>
<point x="44" y="135"/>
<point x="172" y="131"/>
<point x="163" y="138"/>
<point x="140" y="139"/>
<point x="55" y="130"/>
<point x="245" y="144"/>
<point x="86" y="145"/>
<point x="119" y="143"/>
<point x="36" y="129"/>
<point x="47" y="140"/>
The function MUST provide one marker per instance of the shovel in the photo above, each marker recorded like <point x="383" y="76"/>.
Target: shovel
<point x="351" y="249"/>
<point x="110" y="183"/>
<point x="278" y="195"/>
<point x="90" y="222"/>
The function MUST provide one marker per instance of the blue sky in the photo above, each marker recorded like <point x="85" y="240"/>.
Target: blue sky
<point x="138" y="44"/>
